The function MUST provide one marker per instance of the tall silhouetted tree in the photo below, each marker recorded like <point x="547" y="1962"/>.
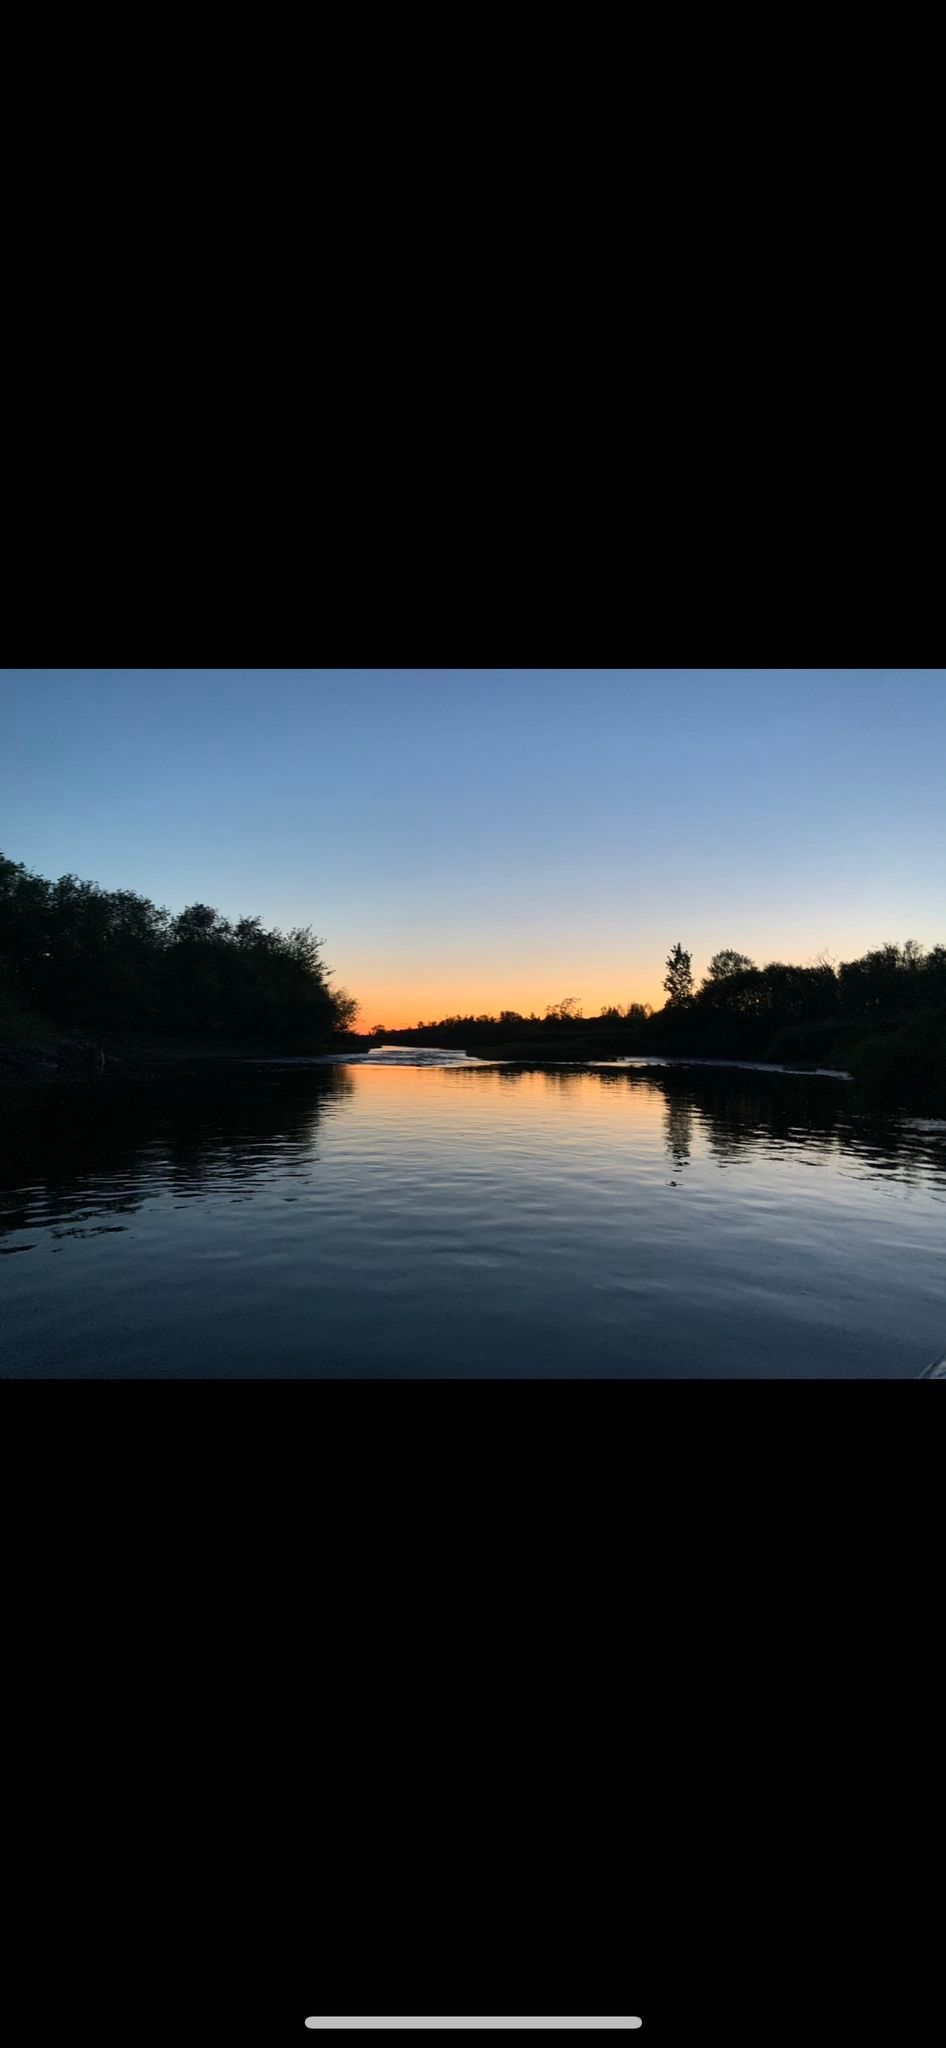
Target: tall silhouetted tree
<point x="678" y="980"/>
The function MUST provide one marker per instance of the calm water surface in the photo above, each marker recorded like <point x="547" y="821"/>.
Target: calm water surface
<point x="379" y="1219"/>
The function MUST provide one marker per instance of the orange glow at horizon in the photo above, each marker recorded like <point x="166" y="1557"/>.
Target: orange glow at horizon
<point x="400" y="1007"/>
<point x="400" y="989"/>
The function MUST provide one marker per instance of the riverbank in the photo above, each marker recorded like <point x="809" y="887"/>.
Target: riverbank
<point x="33" y="1051"/>
<point x="900" y="1060"/>
<point x="904" y="1065"/>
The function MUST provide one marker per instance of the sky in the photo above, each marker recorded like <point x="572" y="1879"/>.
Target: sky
<point x="468" y="840"/>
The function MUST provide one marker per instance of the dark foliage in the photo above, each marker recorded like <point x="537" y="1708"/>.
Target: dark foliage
<point x="109" y="961"/>
<point x="678" y="980"/>
<point x="898" y="1059"/>
<point x="882" y="1018"/>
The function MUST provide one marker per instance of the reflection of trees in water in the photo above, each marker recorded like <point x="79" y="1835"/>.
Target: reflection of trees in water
<point x="80" y="1156"/>
<point x="741" y="1113"/>
<point x="76" y="1153"/>
<point x="679" y="1126"/>
<point x="733" y="1125"/>
<point x="563" y="1080"/>
<point x="472" y="1077"/>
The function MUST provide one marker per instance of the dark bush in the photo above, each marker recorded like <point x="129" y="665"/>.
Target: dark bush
<point x="905" y="1060"/>
<point x="109" y="961"/>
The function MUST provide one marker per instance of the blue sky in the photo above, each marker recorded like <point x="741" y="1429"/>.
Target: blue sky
<point x="476" y="838"/>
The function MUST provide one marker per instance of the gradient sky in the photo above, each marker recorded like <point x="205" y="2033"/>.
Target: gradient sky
<point x="476" y="839"/>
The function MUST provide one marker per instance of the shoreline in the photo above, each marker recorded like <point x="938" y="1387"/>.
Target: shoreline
<point x="88" y="1062"/>
<point x="427" y="1056"/>
<point x="75" y="1065"/>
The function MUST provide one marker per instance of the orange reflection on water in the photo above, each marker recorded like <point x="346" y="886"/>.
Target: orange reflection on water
<point x="492" y="1095"/>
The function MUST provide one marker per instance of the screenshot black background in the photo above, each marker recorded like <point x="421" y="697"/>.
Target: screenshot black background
<point x="559" y="1717"/>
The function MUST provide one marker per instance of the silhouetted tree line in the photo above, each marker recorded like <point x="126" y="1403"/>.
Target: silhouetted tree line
<point x="105" y="960"/>
<point x="882" y="1016"/>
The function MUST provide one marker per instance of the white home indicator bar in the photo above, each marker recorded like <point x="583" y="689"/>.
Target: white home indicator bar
<point x="574" y="2025"/>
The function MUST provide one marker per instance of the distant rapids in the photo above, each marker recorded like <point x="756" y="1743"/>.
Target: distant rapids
<point x="436" y="1056"/>
<point x="381" y="1056"/>
<point x="420" y="1056"/>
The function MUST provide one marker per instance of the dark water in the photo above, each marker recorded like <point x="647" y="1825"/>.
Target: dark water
<point x="386" y="1220"/>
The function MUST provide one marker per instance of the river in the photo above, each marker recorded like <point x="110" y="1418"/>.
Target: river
<point x="424" y="1215"/>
